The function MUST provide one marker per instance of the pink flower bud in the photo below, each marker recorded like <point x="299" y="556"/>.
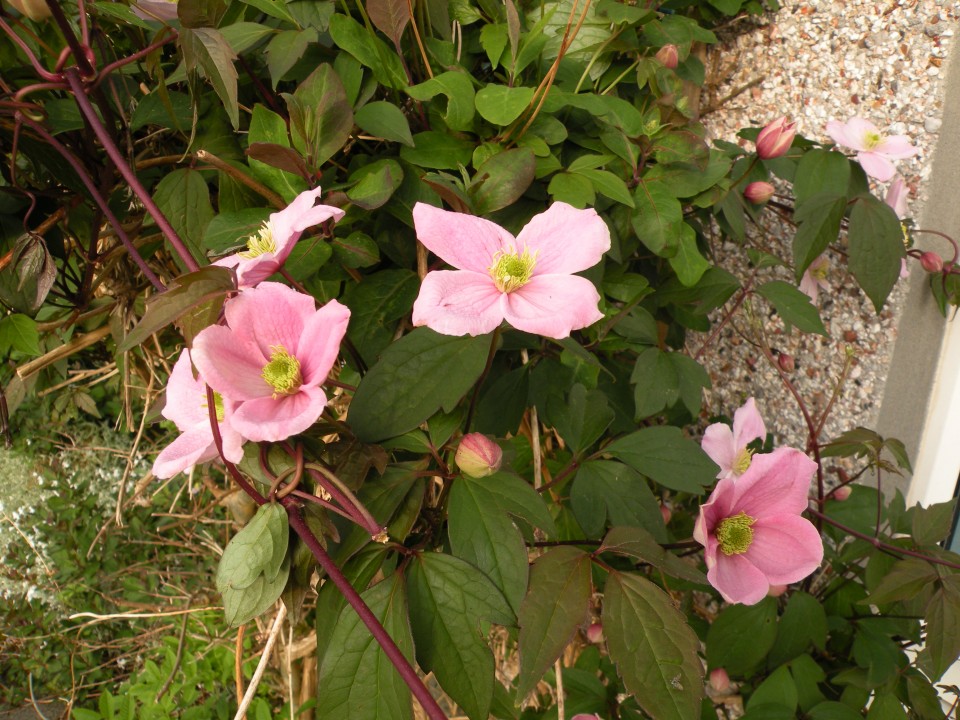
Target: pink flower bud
<point x="842" y="493"/>
<point x="478" y="456"/>
<point x="585" y="716"/>
<point x="666" y="514"/>
<point x="595" y="633"/>
<point x="931" y="262"/>
<point x="668" y="56"/>
<point x="36" y="10"/>
<point x="758" y="192"/>
<point x="719" y="680"/>
<point x="786" y="362"/>
<point x="776" y="590"/>
<point x="775" y="139"/>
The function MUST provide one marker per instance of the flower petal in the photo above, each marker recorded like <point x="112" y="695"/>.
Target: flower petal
<point x="552" y="305"/>
<point x="718" y="507"/>
<point x="718" y="443"/>
<point x="270" y="314"/>
<point x="464" y="241"/>
<point x="458" y="302"/>
<point x="229" y="364"/>
<point x="896" y="147"/>
<point x="776" y="483"/>
<point x="853" y="133"/>
<point x="190" y="448"/>
<point x="566" y="240"/>
<point x="738" y="580"/>
<point x="785" y="548"/>
<point x="747" y="425"/>
<point x="319" y="344"/>
<point x="876" y="166"/>
<point x="896" y="196"/>
<point x="810" y="286"/>
<point x="186" y="403"/>
<point x="253" y="271"/>
<point x="272" y="420"/>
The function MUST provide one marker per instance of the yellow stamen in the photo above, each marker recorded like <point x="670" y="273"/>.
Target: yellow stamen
<point x="260" y="243"/>
<point x="742" y="462"/>
<point x="511" y="271"/>
<point x="872" y="139"/>
<point x="282" y="373"/>
<point x="735" y="534"/>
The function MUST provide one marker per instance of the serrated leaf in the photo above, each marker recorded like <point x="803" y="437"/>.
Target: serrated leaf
<point x="793" y="306"/>
<point x="448" y="599"/>
<point x="641" y="545"/>
<point x="653" y="646"/>
<point x="742" y="636"/>
<point x="20" y="333"/>
<point x="905" y="580"/>
<point x="384" y="119"/>
<point x="875" y="241"/>
<point x="392" y="398"/>
<point x="356" y="679"/>
<point x="185" y="294"/>
<point x="664" y="455"/>
<point x="208" y="49"/>
<point x="606" y="492"/>
<point x="556" y="604"/>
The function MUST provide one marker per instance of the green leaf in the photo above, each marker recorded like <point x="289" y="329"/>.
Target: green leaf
<point x="803" y="623"/>
<point x="688" y="263"/>
<point x="833" y="711"/>
<point x="575" y="190"/>
<point x="821" y="171"/>
<point x="501" y="105"/>
<point x="448" y="600"/>
<point x="242" y="36"/>
<point x="943" y="630"/>
<point x="581" y="418"/>
<point x="230" y="230"/>
<point x="742" y="636"/>
<point x="357" y="680"/>
<point x="206" y="48"/>
<point x="778" y="689"/>
<point x="275" y="8"/>
<point x="359" y="571"/>
<point x="793" y="306"/>
<point x="556" y="604"/>
<point x="875" y="241"/>
<point x="501" y="180"/>
<point x="392" y="397"/>
<point x="932" y="524"/>
<point x="187" y="293"/>
<point x="886" y="706"/>
<point x="433" y="149"/>
<point x="603" y="489"/>
<point x="320" y="116"/>
<point x="357" y="250"/>
<point x="172" y="111"/>
<point x="385" y="120"/>
<point x="653" y="646"/>
<point x="376" y="304"/>
<point x="184" y="198"/>
<point x="664" y="455"/>
<point x="375" y="183"/>
<point x="390" y="17"/>
<point x="268" y="127"/>
<point x="457" y="88"/>
<point x="642" y="545"/>
<point x="608" y="185"/>
<point x="20" y="333"/>
<point x="819" y="225"/>
<point x="285" y="50"/>
<point x="658" y="218"/>
<point x="371" y="51"/>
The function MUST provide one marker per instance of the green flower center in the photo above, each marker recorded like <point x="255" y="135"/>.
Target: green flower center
<point x="282" y="373"/>
<point x="217" y="404"/>
<point x="742" y="462"/>
<point x="511" y="271"/>
<point x="260" y="243"/>
<point x="872" y="139"/>
<point x="819" y="271"/>
<point x="735" y="534"/>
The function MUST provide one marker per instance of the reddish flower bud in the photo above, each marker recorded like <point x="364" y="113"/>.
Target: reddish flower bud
<point x="585" y="716"/>
<point x="842" y="493"/>
<point x="666" y="514"/>
<point x="776" y="590"/>
<point x="758" y="192"/>
<point x="595" y="633"/>
<point x="719" y="680"/>
<point x="931" y="262"/>
<point x="668" y="56"/>
<point x="786" y="362"/>
<point x="775" y="139"/>
<point x="478" y="456"/>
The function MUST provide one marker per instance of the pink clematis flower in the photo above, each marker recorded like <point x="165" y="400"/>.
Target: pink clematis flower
<point x="896" y="198"/>
<point x="269" y="248"/>
<point x="815" y="278"/>
<point x="272" y="358"/>
<point x="874" y="152"/>
<point x="728" y="448"/>
<point x="187" y="407"/>
<point x="526" y="280"/>
<point x="752" y="531"/>
<point x="775" y="139"/>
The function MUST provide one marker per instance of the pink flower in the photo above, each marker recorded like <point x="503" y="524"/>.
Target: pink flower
<point x="526" y="280"/>
<point x="719" y="680"/>
<point x="478" y="456"/>
<point x="896" y="196"/>
<point x="775" y="139"/>
<point x="759" y="192"/>
<point x="272" y="358"/>
<point x="187" y="407"/>
<point x="269" y="248"/>
<point x="752" y="531"/>
<point x="815" y="278"/>
<point x="728" y="448"/>
<point x="874" y="152"/>
<point x="668" y="56"/>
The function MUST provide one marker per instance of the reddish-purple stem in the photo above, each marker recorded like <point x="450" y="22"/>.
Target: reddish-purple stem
<point x="136" y="56"/>
<point x="97" y="197"/>
<point x="38" y="68"/>
<point x="76" y="85"/>
<point x="78" y="49"/>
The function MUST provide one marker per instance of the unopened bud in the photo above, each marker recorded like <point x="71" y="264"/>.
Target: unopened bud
<point x="478" y="456"/>
<point x="668" y="56"/>
<point x="931" y="262"/>
<point x="585" y="716"/>
<point x="719" y="680"/>
<point x="776" y="590"/>
<point x="595" y="633"/>
<point x="775" y="139"/>
<point x="758" y="192"/>
<point x="842" y="493"/>
<point x="666" y="514"/>
<point x="786" y="362"/>
<point x="36" y="10"/>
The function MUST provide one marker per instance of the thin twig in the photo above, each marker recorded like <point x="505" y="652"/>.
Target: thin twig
<point x="181" y="642"/>
<point x="262" y="665"/>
